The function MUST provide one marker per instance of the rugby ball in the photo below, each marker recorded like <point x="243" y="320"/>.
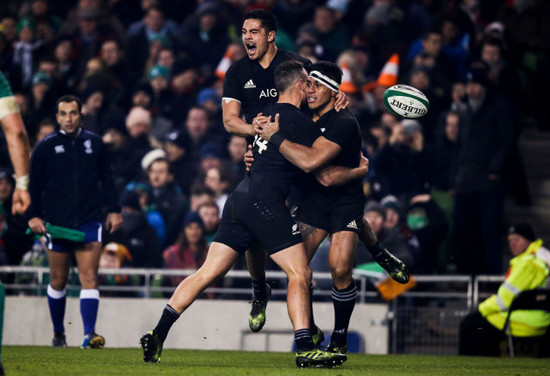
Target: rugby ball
<point x="406" y="101"/>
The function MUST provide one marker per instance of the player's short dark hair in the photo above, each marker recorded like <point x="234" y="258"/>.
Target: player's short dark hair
<point x="329" y="69"/>
<point x="267" y="18"/>
<point x="287" y="73"/>
<point x="68" y="99"/>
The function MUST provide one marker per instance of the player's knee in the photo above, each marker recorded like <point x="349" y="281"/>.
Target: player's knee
<point x="341" y="271"/>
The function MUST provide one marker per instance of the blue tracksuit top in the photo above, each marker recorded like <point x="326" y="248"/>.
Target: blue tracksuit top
<point x="71" y="179"/>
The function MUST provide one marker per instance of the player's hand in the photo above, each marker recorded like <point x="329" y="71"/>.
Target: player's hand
<point x="364" y="162"/>
<point x="269" y="128"/>
<point x="113" y="222"/>
<point x="342" y="101"/>
<point x="37" y="226"/>
<point x="248" y="158"/>
<point x="259" y="120"/>
<point x="21" y="201"/>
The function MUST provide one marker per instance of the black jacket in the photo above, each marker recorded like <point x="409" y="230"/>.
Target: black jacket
<point x="71" y="180"/>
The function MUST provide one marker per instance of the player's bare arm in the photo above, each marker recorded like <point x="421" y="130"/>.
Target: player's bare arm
<point x="232" y="121"/>
<point x="20" y="151"/>
<point x="307" y="159"/>
<point x="339" y="175"/>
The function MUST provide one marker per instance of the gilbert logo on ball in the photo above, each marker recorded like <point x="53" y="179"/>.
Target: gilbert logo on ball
<point x="406" y="101"/>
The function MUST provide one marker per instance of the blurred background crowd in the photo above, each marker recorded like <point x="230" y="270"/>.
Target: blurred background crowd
<point x="150" y="76"/>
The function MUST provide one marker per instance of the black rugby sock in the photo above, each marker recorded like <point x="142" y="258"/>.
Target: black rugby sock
<point x="259" y="289"/>
<point x="168" y="318"/>
<point x="303" y="340"/>
<point x="344" y="302"/>
<point x="376" y="250"/>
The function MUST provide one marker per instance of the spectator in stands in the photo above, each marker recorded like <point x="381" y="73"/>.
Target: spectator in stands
<point x="330" y="37"/>
<point x="291" y="14"/>
<point x="399" y="164"/>
<point x="137" y="234"/>
<point x="177" y="146"/>
<point x="199" y="129"/>
<point x="166" y="196"/>
<point x="92" y="105"/>
<point x="112" y="55"/>
<point x="210" y="156"/>
<point x="442" y="156"/>
<point x="205" y="37"/>
<point x="163" y="102"/>
<point x="486" y="140"/>
<point x="40" y="101"/>
<point x="219" y="181"/>
<point x="27" y="51"/>
<point x="154" y="26"/>
<point x="210" y="215"/>
<point x="420" y="78"/>
<point x="190" y="250"/>
<point x="502" y="74"/>
<point x="116" y="256"/>
<point x="200" y="194"/>
<point x="63" y="53"/>
<point x="428" y="223"/>
<point x="45" y="127"/>
<point x="236" y="149"/>
<point x="481" y="331"/>
<point x="138" y="124"/>
<point x="88" y="37"/>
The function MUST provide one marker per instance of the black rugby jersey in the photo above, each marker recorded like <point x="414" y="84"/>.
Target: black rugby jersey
<point x="272" y="174"/>
<point x="248" y="82"/>
<point x="342" y="128"/>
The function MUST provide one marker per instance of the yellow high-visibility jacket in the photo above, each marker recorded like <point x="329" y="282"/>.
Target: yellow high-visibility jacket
<point x="528" y="271"/>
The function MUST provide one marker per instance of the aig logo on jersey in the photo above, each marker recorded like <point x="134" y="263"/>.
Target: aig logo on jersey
<point x="268" y="93"/>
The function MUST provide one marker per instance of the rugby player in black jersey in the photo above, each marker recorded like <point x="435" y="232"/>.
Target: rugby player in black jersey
<point x="335" y="210"/>
<point x="248" y="87"/>
<point x="256" y="211"/>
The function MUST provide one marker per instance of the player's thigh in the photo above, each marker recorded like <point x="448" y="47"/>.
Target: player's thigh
<point x="312" y="238"/>
<point x="342" y="251"/>
<point x="219" y="260"/>
<point x="293" y="261"/>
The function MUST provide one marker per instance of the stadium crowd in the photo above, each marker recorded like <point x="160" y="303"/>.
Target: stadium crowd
<point x="150" y="76"/>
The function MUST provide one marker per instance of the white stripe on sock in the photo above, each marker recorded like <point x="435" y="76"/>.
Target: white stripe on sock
<point x="55" y="294"/>
<point x="89" y="294"/>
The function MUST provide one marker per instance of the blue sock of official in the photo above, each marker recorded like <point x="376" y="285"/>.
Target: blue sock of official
<point x="57" y="301"/>
<point x="344" y="302"/>
<point x="89" y="303"/>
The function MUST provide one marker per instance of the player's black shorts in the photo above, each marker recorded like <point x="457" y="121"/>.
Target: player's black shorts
<point x="340" y="214"/>
<point x="245" y="220"/>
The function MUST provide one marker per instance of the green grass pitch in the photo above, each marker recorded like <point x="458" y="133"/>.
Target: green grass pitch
<point x="43" y="361"/>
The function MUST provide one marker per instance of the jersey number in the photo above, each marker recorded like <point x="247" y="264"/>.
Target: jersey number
<point x="261" y="143"/>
